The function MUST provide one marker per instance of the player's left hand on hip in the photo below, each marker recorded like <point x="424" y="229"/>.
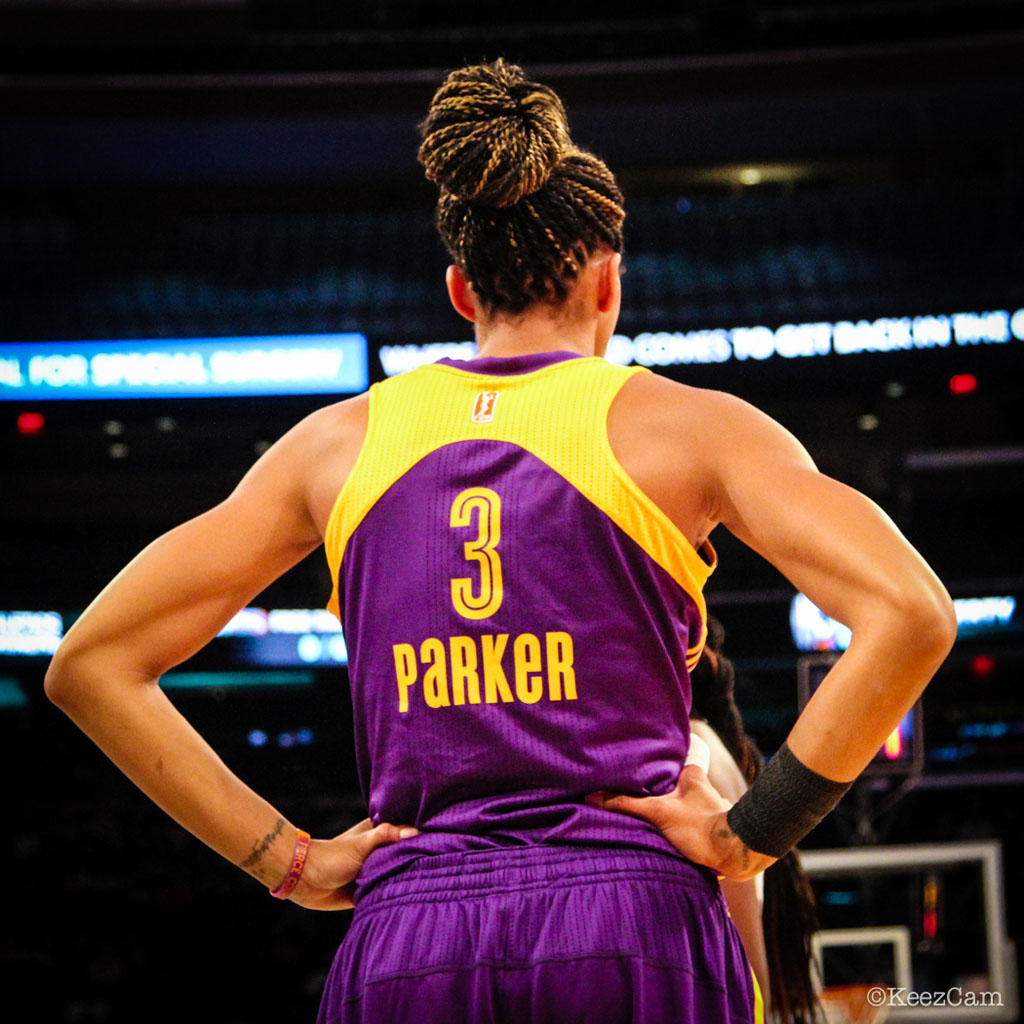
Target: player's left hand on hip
<point x="693" y="819"/>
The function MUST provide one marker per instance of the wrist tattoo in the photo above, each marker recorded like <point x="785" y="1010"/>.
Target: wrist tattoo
<point x="259" y="848"/>
<point x="745" y="856"/>
<point x="726" y="833"/>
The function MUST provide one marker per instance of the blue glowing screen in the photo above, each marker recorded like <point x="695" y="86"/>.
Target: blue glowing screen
<point x="185" y="368"/>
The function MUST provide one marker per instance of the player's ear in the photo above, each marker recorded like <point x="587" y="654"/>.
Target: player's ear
<point x="609" y="287"/>
<point x="461" y="294"/>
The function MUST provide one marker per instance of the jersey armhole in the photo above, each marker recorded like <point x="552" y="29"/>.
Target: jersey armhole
<point x="331" y="549"/>
<point x="701" y="561"/>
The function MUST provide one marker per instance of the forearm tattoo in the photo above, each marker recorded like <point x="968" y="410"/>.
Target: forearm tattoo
<point x="259" y="848"/>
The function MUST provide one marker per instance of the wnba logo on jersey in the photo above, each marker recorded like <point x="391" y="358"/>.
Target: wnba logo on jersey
<point x="483" y="407"/>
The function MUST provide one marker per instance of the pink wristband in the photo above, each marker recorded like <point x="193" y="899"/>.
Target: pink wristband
<point x="295" y="871"/>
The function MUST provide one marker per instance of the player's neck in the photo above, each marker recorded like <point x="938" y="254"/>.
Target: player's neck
<point x="535" y="331"/>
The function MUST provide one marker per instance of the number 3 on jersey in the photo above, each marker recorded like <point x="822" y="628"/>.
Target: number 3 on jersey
<point x="487" y="600"/>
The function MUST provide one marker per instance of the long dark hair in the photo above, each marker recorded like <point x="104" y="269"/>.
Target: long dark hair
<point x="789" y="915"/>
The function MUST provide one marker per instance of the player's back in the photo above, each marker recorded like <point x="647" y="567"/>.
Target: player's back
<point x="520" y="617"/>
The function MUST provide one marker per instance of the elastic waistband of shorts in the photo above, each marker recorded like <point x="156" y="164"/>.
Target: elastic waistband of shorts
<point x="475" y="873"/>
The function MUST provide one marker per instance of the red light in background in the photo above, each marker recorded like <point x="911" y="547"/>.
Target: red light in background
<point x="982" y="665"/>
<point x="894" y="744"/>
<point x="963" y="383"/>
<point x="31" y="423"/>
<point x="930" y="917"/>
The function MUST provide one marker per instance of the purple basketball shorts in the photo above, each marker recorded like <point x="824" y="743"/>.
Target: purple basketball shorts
<point x="542" y="935"/>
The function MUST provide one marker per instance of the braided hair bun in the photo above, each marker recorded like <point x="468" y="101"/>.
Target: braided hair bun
<point x="492" y="136"/>
<point x="521" y="209"/>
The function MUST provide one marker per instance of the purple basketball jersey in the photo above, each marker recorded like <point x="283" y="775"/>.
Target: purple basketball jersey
<point x="512" y="645"/>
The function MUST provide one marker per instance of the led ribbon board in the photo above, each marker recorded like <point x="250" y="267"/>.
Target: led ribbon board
<point x="185" y="368"/>
<point x="279" y="637"/>
<point x="26" y="634"/>
<point x="757" y="343"/>
<point x="813" y="630"/>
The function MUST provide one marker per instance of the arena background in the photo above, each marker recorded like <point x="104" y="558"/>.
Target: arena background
<point x="181" y="169"/>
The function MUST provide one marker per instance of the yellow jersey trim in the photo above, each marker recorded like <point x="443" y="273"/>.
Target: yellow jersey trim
<point x="558" y="413"/>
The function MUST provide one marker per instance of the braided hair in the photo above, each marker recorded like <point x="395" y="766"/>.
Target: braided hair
<point x="521" y="209"/>
<point x="789" y="917"/>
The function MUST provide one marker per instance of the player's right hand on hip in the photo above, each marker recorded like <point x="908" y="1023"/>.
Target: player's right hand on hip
<point x="328" y="879"/>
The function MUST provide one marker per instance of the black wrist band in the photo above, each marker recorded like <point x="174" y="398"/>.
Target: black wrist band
<point x="786" y="801"/>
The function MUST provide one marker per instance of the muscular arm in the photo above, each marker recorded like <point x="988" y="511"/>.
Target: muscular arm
<point x="708" y="458"/>
<point x="849" y="558"/>
<point x="165" y="605"/>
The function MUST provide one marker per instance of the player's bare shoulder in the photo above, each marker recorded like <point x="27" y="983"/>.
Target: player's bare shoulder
<point x="713" y="423"/>
<point x="310" y="463"/>
<point x="327" y="444"/>
<point x="656" y="430"/>
<point x="653" y="406"/>
<point x="651" y="395"/>
<point x="339" y="425"/>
